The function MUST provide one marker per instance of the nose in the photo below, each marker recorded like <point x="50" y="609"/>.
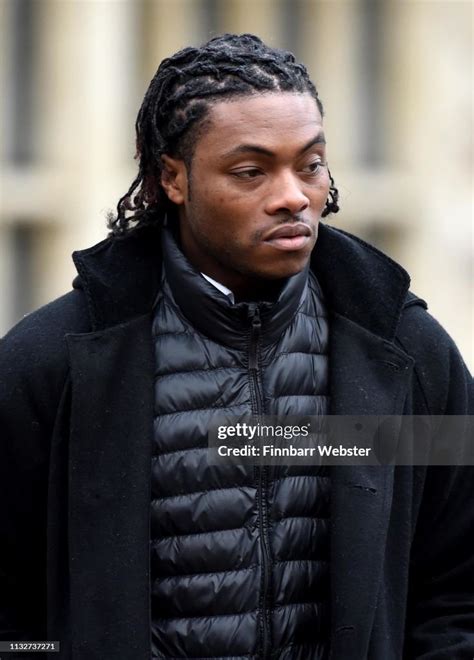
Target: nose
<point x="286" y="196"/>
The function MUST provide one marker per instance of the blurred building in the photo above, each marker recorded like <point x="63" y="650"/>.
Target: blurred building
<point x="395" y="77"/>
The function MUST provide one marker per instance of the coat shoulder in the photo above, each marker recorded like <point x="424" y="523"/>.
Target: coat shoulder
<point x="39" y="336"/>
<point x="34" y="359"/>
<point x="441" y="374"/>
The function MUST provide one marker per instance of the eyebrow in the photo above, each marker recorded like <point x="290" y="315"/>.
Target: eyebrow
<point x="257" y="149"/>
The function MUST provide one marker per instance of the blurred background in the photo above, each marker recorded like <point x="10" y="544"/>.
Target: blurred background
<point x="395" y="77"/>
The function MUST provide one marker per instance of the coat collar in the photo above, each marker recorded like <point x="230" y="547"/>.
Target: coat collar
<point x="120" y="278"/>
<point x="360" y="282"/>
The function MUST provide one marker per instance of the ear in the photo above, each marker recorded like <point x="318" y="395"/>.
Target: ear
<point x="174" y="179"/>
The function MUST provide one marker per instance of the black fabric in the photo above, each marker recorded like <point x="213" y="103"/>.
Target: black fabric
<point x="211" y="312"/>
<point x="71" y="368"/>
<point x="209" y="596"/>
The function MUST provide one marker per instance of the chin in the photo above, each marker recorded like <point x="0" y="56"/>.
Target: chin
<point x="284" y="270"/>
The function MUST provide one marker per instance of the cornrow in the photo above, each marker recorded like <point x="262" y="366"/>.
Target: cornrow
<point x="173" y="113"/>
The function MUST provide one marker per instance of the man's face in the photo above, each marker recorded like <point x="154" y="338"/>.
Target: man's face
<point x="249" y="209"/>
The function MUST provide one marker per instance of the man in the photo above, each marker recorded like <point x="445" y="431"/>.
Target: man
<point x="219" y="291"/>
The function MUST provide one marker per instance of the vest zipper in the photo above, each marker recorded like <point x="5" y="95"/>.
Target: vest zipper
<point x="258" y="409"/>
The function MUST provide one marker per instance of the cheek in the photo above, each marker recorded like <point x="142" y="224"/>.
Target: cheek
<point x="209" y="199"/>
<point x="227" y="209"/>
<point x="325" y="184"/>
<point x="319" y="195"/>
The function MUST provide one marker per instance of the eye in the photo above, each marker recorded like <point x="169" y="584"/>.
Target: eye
<point x="248" y="173"/>
<point x="314" y="167"/>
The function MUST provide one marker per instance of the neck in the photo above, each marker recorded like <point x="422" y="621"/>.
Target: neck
<point x="257" y="290"/>
<point x="244" y="287"/>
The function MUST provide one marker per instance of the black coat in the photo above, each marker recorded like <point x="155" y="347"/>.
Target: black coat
<point x="76" y="403"/>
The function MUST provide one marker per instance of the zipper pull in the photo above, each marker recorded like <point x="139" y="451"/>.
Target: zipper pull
<point x="254" y="316"/>
<point x="255" y="330"/>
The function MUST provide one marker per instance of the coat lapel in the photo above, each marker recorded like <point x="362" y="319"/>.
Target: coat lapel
<point x="109" y="490"/>
<point x="368" y="376"/>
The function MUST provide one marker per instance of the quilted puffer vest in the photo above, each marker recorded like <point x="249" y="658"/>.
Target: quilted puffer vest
<point x="239" y="554"/>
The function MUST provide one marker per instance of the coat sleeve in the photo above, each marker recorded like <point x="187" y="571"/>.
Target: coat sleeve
<point x="33" y="370"/>
<point x="440" y="622"/>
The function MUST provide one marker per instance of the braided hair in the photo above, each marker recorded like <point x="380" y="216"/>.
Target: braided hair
<point x="173" y="113"/>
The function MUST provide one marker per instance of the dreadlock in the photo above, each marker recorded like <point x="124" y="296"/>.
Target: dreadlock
<point x="173" y="113"/>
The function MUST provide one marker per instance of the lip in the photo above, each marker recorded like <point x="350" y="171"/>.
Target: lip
<point x="289" y="237"/>
<point x="288" y="231"/>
